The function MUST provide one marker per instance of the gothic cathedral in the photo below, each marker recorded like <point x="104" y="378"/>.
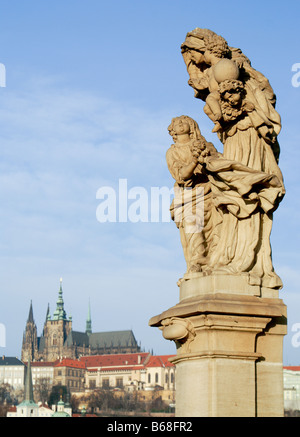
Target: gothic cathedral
<point x="58" y="340"/>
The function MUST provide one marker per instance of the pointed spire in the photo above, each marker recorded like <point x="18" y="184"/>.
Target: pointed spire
<point x="88" y="328"/>
<point x="47" y="313"/>
<point x="28" y="389"/>
<point x="30" y="315"/>
<point x="48" y="317"/>
<point x="60" y="313"/>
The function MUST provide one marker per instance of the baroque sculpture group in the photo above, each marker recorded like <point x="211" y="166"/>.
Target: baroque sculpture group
<point x="239" y="188"/>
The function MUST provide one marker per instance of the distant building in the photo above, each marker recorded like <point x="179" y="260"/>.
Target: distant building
<point x="160" y="372"/>
<point x="138" y="371"/>
<point x="12" y="372"/>
<point x="291" y="388"/>
<point x="59" y="340"/>
<point x="62" y="410"/>
<point x="70" y="373"/>
<point x="42" y="372"/>
<point x="44" y="410"/>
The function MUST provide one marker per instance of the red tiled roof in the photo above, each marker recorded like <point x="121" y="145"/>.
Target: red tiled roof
<point x="12" y="409"/>
<point x="115" y="360"/>
<point x="134" y="361"/>
<point x="43" y="363"/>
<point x="160" y="361"/>
<point x="68" y="362"/>
<point x="44" y="406"/>
<point x="295" y="368"/>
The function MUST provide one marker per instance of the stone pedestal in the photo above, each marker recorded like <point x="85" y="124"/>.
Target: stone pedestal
<point x="229" y="338"/>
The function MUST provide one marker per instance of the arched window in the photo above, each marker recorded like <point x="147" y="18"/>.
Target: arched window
<point x="156" y="377"/>
<point x="149" y="378"/>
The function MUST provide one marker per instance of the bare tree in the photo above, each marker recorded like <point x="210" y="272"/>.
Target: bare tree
<point x="42" y="389"/>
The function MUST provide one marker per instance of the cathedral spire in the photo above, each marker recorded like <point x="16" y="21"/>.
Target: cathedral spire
<point x="29" y="343"/>
<point x="30" y="315"/>
<point x="59" y="313"/>
<point x="48" y="313"/>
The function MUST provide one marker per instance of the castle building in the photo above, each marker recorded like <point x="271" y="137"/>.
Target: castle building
<point x="59" y="340"/>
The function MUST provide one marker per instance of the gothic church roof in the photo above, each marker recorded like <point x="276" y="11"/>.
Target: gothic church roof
<point x="112" y="338"/>
<point x="101" y="339"/>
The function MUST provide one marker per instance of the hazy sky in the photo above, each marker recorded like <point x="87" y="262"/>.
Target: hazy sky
<point x="91" y="87"/>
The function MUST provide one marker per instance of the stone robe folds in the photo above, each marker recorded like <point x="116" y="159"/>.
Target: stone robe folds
<point x="244" y="200"/>
<point x="238" y="203"/>
<point x="191" y="208"/>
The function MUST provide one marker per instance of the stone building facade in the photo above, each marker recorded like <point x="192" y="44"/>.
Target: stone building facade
<point x="138" y="371"/>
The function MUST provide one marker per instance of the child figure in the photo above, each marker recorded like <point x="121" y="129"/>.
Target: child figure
<point x="223" y="71"/>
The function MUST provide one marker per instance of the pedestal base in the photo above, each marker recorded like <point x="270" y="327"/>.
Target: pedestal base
<point x="229" y="350"/>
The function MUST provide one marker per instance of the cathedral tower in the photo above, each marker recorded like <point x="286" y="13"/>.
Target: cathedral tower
<point x="30" y="341"/>
<point x="56" y="330"/>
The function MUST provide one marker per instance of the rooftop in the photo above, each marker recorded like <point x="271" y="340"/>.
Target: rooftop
<point x="43" y="363"/>
<point x="68" y="362"/>
<point x="10" y="361"/>
<point x="114" y="360"/>
<point x="159" y="361"/>
<point x="294" y="368"/>
<point x="126" y="361"/>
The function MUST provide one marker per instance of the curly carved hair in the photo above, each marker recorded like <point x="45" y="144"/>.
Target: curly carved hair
<point x="231" y="85"/>
<point x="195" y="132"/>
<point x="218" y="46"/>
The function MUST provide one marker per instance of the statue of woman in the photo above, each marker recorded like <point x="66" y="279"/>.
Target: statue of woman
<point x="191" y="209"/>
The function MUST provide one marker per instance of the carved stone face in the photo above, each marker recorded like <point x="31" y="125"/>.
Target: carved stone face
<point x="234" y="98"/>
<point x="196" y="57"/>
<point x="181" y="127"/>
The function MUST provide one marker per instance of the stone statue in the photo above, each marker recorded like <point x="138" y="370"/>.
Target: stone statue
<point x="241" y="187"/>
<point x="185" y="160"/>
<point x="229" y="323"/>
<point x="220" y="74"/>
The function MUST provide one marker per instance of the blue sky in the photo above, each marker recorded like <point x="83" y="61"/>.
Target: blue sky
<point x="91" y="88"/>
